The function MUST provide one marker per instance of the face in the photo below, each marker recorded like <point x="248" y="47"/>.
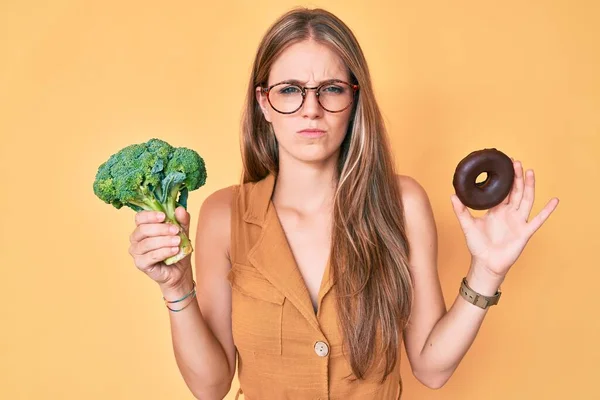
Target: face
<point x="309" y="63"/>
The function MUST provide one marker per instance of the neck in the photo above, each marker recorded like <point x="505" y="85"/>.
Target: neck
<point x="306" y="187"/>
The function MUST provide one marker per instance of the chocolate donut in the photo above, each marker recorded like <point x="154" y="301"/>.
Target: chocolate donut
<point x="491" y="192"/>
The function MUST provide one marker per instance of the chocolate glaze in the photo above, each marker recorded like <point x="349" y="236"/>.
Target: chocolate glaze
<point x="491" y="192"/>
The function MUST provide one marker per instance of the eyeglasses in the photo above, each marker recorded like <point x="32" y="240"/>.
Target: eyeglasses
<point x="333" y="95"/>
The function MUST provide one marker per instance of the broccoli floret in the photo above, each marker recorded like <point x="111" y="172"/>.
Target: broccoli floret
<point x="152" y="176"/>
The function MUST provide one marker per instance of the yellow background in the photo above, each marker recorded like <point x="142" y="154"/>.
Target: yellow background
<point x="82" y="79"/>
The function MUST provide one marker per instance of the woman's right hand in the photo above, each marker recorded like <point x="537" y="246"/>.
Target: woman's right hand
<point x="151" y="244"/>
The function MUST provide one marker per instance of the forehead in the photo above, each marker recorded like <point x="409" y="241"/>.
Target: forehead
<point x="308" y="61"/>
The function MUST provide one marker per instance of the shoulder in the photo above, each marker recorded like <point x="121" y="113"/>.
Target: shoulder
<point x="418" y="212"/>
<point x="413" y="193"/>
<point x="218" y="204"/>
<point x="216" y="210"/>
<point x="217" y="207"/>
<point x="214" y="219"/>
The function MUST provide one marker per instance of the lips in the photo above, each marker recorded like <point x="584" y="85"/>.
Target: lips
<point x="311" y="133"/>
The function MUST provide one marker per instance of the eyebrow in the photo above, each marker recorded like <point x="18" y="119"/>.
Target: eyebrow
<point x="302" y="83"/>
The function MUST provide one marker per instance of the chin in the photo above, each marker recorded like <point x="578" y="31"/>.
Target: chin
<point x="311" y="155"/>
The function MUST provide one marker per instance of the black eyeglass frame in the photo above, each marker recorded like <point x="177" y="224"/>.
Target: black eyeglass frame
<point x="303" y="90"/>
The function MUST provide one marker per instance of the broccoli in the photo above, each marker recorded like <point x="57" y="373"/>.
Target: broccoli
<point x="149" y="176"/>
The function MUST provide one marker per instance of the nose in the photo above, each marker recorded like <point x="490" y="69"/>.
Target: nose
<point x="311" y="107"/>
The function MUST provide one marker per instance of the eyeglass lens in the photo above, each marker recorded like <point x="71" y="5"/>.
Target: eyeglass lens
<point x="333" y="97"/>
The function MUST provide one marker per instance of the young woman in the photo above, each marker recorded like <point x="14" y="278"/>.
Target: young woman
<point x="322" y="261"/>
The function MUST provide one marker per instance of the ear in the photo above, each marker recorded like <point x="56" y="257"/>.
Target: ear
<point x="264" y="103"/>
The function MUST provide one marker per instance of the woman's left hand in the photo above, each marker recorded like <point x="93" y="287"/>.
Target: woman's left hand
<point x="496" y="239"/>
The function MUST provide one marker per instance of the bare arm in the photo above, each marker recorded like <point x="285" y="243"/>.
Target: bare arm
<point x="201" y="333"/>
<point x="436" y="340"/>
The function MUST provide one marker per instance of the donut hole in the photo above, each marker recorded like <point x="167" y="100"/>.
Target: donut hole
<point x="482" y="179"/>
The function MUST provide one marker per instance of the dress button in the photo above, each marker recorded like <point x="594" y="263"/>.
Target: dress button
<point x="321" y="349"/>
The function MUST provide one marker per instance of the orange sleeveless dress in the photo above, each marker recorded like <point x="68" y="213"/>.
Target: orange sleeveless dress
<point x="284" y="349"/>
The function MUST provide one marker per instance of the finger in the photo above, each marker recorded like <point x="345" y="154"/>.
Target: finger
<point x="462" y="213"/>
<point x="148" y="260"/>
<point x="183" y="217"/>
<point x="542" y="216"/>
<point x="528" y="195"/>
<point x="516" y="194"/>
<point x="145" y="217"/>
<point x="145" y="231"/>
<point x="154" y="243"/>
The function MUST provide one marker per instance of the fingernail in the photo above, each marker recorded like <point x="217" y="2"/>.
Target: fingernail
<point x="160" y="216"/>
<point x="173" y="229"/>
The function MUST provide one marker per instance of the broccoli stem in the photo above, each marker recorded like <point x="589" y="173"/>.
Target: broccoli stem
<point x="146" y="206"/>
<point x="147" y="201"/>
<point x="150" y="203"/>
<point x="185" y="246"/>
<point x="171" y="202"/>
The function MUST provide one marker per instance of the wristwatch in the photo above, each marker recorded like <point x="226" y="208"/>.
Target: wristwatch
<point x="478" y="299"/>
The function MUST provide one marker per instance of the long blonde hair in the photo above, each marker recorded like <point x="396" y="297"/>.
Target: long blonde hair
<point x="369" y="250"/>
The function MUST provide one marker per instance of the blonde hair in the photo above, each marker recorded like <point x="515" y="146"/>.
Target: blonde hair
<point x="369" y="251"/>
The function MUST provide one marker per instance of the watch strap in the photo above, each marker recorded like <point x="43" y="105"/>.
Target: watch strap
<point x="478" y="299"/>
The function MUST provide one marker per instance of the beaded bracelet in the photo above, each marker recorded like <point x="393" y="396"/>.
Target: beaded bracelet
<point x="191" y="293"/>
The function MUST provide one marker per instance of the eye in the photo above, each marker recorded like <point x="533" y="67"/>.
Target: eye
<point x="289" y="90"/>
<point x="333" y="89"/>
